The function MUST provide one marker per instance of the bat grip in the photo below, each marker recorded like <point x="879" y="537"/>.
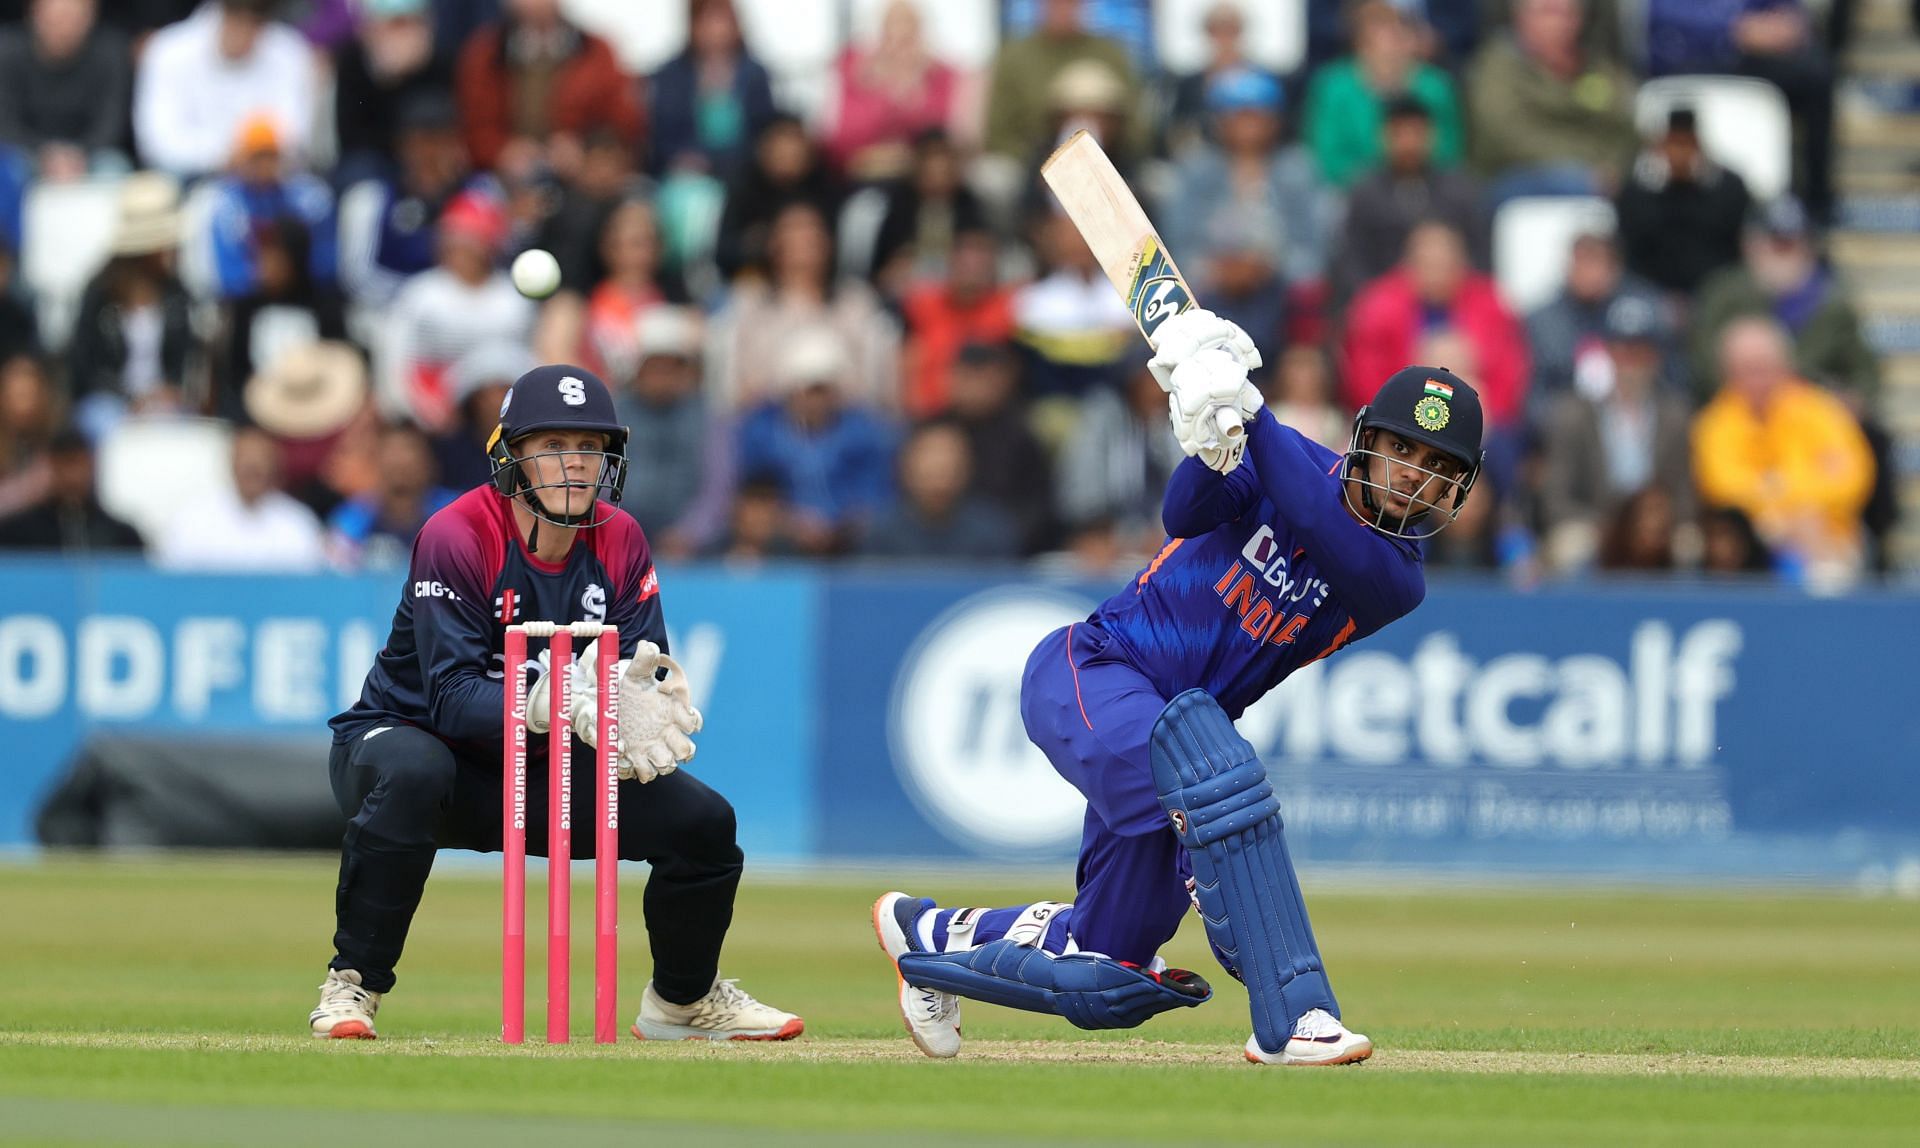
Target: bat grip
<point x="1228" y="421"/>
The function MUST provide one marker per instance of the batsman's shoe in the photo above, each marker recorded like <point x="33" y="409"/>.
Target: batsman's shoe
<point x="345" y="1011"/>
<point x="727" y="1012"/>
<point x="1318" y="1038"/>
<point x="932" y="1017"/>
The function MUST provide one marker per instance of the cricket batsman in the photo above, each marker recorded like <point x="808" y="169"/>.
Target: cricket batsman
<point x="416" y="761"/>
<point x="1279" y="552"/>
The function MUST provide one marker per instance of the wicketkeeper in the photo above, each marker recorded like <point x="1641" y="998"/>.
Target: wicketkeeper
<point x="416" y="761"/>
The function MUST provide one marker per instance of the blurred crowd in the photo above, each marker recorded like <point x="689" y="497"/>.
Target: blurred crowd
<point x="862" y="328"/>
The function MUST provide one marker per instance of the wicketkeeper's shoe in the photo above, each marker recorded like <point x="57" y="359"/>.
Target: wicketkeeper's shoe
<point x="727" y="1012"/>
<point x="1318" y="1038"/>
<point x="346" y="1010"/>
<point x="932" y="1017"/>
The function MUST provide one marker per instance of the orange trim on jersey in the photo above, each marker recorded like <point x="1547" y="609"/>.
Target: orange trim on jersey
<point x="1076" y="677"/>
<point x="1153" y="567"/>
<point x="1339" y="640"/>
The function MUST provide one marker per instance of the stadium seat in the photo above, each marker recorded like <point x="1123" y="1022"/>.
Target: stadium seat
<point x="644" y="36"/>
<point x="1533" y="240"/>
<point x="67" y="235"/>
<point x="1276" y="35"/>
<point x="1744" y="124"/>
<point x="147" y="466"/>
<point x="793" y="36"/>
<point x="962" y="33"/>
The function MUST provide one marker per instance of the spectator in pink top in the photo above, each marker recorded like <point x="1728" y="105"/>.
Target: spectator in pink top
<point x="1435" y="292"/>
<point x="885" y="95"/>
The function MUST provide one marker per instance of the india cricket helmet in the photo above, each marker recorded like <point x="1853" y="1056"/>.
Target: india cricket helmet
<point x="1434" y="407"/>
<point x="553" y="398"/>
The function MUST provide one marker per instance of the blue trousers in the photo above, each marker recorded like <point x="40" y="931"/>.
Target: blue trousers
<point x="1092" y="715"/>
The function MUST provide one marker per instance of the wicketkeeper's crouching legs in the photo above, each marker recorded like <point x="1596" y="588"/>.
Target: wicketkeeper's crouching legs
<point x="407" y="795"/>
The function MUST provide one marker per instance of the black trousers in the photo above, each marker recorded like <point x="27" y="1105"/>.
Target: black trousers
<point x="407" y="795"/>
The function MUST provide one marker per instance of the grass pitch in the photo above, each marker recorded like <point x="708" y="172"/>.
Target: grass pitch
<point x="164" y="1001"/>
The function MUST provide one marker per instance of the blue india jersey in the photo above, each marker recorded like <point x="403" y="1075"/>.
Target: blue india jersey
<point x="1264" y="571"/>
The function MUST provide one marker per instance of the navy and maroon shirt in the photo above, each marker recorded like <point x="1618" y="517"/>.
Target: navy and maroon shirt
<point x="442" y="668"/>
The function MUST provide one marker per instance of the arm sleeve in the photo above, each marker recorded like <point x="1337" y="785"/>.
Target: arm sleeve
<point x="1375" y="579"/>
<point x="1199" y="498"/>
<point x="452" y="624"/>
<point x="635" y="607"/>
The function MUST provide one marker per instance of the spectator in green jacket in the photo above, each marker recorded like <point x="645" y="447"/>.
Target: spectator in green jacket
<point x="1346" y="100"/>
<point x="1549" y="118"/>
<point x="1781" y="276"/>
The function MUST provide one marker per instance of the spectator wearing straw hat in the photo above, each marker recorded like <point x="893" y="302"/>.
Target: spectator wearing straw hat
<point x="133" y="339"/>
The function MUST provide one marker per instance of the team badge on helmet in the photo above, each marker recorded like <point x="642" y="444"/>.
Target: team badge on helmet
<point x="1432" y="414"/>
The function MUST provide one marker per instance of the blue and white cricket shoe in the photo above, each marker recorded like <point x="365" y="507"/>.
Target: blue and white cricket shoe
<point x="931" y="1016"/>
<point x="1318" y="1039"/>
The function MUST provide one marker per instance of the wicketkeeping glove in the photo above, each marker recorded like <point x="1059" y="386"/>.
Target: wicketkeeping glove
<point x="657" y="718"/>
<point x="580" y="701"/>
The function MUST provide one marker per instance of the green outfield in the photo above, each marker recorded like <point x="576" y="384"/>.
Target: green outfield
<point x="164" y="1002"/>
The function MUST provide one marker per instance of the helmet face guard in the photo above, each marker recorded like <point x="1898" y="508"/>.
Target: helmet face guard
<point x="511" y="477"/>
<point x="559" y="398"/>
<point x="1436" y="501"/>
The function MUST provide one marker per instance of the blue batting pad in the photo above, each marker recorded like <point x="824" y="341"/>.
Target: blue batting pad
<point x="1090" y="990"/>
<point x="1217" y="796"/>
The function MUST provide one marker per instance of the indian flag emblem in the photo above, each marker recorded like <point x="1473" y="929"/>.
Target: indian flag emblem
<point x="1439" y="390"/>
<point x="1431" y="413"/>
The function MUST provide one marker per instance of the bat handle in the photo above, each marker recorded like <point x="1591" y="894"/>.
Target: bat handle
<point x="1228" y="421"/>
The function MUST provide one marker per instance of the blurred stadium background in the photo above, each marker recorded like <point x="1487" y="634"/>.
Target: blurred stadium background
<point x="890" y="425"/>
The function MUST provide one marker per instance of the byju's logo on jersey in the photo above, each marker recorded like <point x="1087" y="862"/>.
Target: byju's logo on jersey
<point x="1263" y="551"/>
<point x="1277" y="616"/>
<point x="593" y="602"/>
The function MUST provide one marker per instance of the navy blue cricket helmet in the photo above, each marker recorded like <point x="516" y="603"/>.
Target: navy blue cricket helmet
<point x="1428" y="405"/>
<point x="557" y="397"/>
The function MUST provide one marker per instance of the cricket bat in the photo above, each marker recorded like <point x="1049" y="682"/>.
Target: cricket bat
<point x="1122" y="240"/>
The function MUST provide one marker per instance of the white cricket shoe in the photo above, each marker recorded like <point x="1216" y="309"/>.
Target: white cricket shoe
<point x="932" y="1017"/>
<point x="727" y="1012"/>
<point x="1317" y="1038"/>
<point x="346" y="1010"/>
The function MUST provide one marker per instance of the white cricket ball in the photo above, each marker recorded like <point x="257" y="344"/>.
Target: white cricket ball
<point x="536" y="273"/>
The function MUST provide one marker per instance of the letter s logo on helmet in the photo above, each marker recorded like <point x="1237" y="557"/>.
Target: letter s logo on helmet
<point x="573" y="391"/>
